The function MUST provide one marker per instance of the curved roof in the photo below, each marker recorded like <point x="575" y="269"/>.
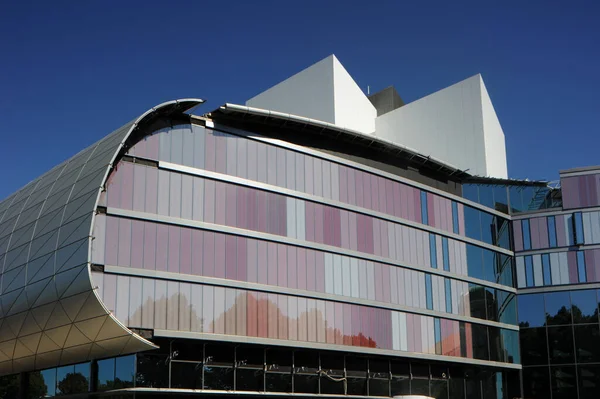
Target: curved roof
<point x="50" y="313"/>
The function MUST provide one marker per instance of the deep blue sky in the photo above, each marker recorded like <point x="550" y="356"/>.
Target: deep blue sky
<point x="73" y="71"/>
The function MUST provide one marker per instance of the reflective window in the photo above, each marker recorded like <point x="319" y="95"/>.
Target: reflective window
<point x="534" y="347"/>
<point x="428" y="292"/>
<point x="536" y="382"/>
<point x="584" y="306"/>
<point x="424" y="213"/>
<point x="72" y="379"/>
<point x="560" y="344"/>
<point x="445" y="253"/>
<point x="587" y="337"/>
<point x="529" y="271"/>
<point x="477" y="301"/>
<point x="531" y="310"/>
<point x="552" y="231"/>
<point x="10" y="386"/>
<point x="48" y="378"/>
<point x="581" y="267"/>
<point x="432" y="251"/>
<point x="448" y="290"/>
<point x="589" y="380"/>
<point x="106" y="374"/>
<point x="558" y="308"/>
<point x="526" y="234"/>
<point x="475" y="261"/>
<point x="546" y="269"/>
<point x="563" y="382"/>
<point x="578" y="221"/>
<point x="455" y="224"/>
<point x="124" y="371"/>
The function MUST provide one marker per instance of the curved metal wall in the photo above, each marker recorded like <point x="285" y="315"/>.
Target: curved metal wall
<point x="50" y="313"/>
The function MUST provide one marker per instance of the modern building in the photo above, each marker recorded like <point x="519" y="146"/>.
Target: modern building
<point x="316" y="241"/>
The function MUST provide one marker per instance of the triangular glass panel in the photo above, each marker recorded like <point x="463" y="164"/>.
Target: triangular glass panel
<point x="3" y="357"/>
<point x="29" y="326"/>
<point x="76" y="338"/>
<point x="115" y="346"/>
<point x="9" y="276"/>
<point x="6" y="332"/>
<point x="42" y="313"/>
<point x="21" y="350"/>
<point x="6" y="368"/>
<point x="81" y="283"/>
<point x="97" y="351"/>
<point x="34" y="290"/>
<point x="75" y="230"/>
<point x="8" y="299"/>
<point x="31" y="341"/>
<point x="65" y="279"/>
<point x="91" y="327"/>
<point x="16" y="322"/>
<point x="23" y="364"/>
<point x="73" y="304"/>
<point x="76" y="354"/>
<point x="20" y="304"/>
<point x="47" y="345"/>
<point x="48" y="294"/>
<point x="72" y="255"/>
<point x="111" y="329"/>
<point x="22" y="235"/>
<point x="8" y="347"/>
<point x="18" y="280"/>
<point x="40" y="268"/>
<point x="58" y="318"/>
<point x="59" y="335"/>
<point x="47" y="360"/>
<point x="92" y="308"/>
<point x="81" y="206"/>
<point x="49" y="221"/>
<point x="16" y="257"/>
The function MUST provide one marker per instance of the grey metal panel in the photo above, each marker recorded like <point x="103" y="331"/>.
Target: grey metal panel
<point x="50" y="313"/>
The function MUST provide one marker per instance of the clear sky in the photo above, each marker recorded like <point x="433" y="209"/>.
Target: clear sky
<point x="71" y="72"/>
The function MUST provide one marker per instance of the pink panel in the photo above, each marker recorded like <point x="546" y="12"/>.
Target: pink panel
<point x="318" y="208"/>
<point x="252" y="315"/>
<point x="417" y="205"/>
<point x="381" y="194"/>
<point x="197" y="253"/>
<point x="343" y="172"/>
<point x="150" y="235"/>
<point x="220" y="255"/>
<point x="535" y="232"/>
<point x="377" y="237"/>
<point x="347" y="311"/>
<point x="432" y="207"/>
<point x="185" y="258"/>
<point x="124" y="254"/>
<point x="113" y="187"/>
<point x="367" y="190"/>
<point x="282" y="215"/>
<point x="410" y="331"/>
<point x="561" y="238"/>
<point x="345" y="236"/>
<point x="572" y="262"/>
<point x="252" y="207"/>
<point x="262" y="262"/>
<point x="319" y="271"/>
<point x="461" y="219"/>
<point x="311" y="324"/>
<point x="220" y="195"/>
<point x="282" y="265"/>
<point x="241" y="310"/>
<point x="230" y="205"/>
<point x="174" y="250"/>
<point x="397" y="200"/>
<point x="359" y="177"/>
<point x="330" y="322"/>
<point x="292" y="303"/>
<point x="369" y="245"/>
<point x="137" y="244"/>
<point x="151" y="190"/>
<point x="162" y="243"/>
<point x="378" y="282"/>
<point x="352" y="186"/>
<point x="356" y="325"/>
<point x="272" y="309"/>
<point x="389" y="197"/>
<point x="339" y="323"/>
<point x="292" y="276"/>
<point x="152" y="146"/>
<point x="337" y="227"/>
<point x="310" y="221"/>
<point x="209" y="201"/>
<point x="302" y="320"/>
<point x="590" y="265"/>
<point x="112" y="241"/>
<point x="210" y="154"/>
<point x="252" y="268"/>
<point x="139" y="188"/>
<point x="384" y="237"/>
<point x="469" y="339"/>
<point x="261" y="202"/>
<point x="272" y="263"/>
<point x="208" y="265"/>
<point x="306" y="258"/>
<point x="221" y="153"/>
<point x="385" y="269"/>
<point x="405" y="202"/>
<point x="230" y="257"/>
<point x="242" y="259"/>
<point x="262" y="319"/>
<point x="543" y="229"/>
<point x="353" y="230"/>
<point x="282" y="317"/>
<point x="327" y="231"/>
<point x="518" y="235"/>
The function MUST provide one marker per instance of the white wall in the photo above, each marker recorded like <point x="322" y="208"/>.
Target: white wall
<point x="449" y="125"/>
<point x="308" y="93"/>
<point x="353" y="110"/>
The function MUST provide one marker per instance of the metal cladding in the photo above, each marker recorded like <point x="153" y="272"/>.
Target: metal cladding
<point x="50" y="314"/>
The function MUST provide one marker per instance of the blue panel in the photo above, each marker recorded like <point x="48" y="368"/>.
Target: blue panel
<point x="437" y="328"/>
<point x="552" y="231"/>
<point x="432" y="251"/>
<point x="546" y="269"/>
<point x="424" y="214"/>
<point x="445" y="254"/>
<point x="455" y="217"/>
<point x="448" y="286"/>
<point x="529" y="271"/>
<point x="428" y="291"/>
<point x="526" y="234"/>
<point x="579" y="239"/>
<point x="581" y="267"/>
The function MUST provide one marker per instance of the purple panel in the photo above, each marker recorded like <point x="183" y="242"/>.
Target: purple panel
<point x="352" y="186"/>
<point x="272" y="308"/>
<point x="384" y="237"/>
<point x="174" y="249"/>
<point x="150" y="235"/>
<point x="282" y="215"/>
<point x="327" y="231"/>
<point x="230" y="258"/>
<point x="347" y="311"/>
<point x="535" y="232"/>
<point x="381" y="193"/>
<point x="152" y="146"/>
<point x="389" y="197"/>
<point x="572" y="262"/>
<point x="208" y="264"/>
<point x="262" y="319"/>
<point x="262" y="262"/>
<point x="126" y="171"/>
<point x="137" y="244"/>
<point x="305" y="257"/>
<point x="417" y="205"/>
<point x="378" y="282"/>
<point x="230" y="205"/>
<point x="252" y="271"/>
<point x="368" y="237"/>
<point x="461" y="220"/>
<point x="175" y="194"/>
<point x="139" y="187"/>
<point x="359" y="177"/>
<point x="377" y="237"/>
<point x="240" y="206"/>
<point x="283" y="319"/>
<point x="355" y="328"/>
<point x="386" y="283"/>
<point x="397" y="199"/>
<point x="310" y="220"/>
<point x="336" y="221"/>
<point x="197" y="252"/>
<point x="113" y="187"/>
<point x="410" y="332"/>
<point x="561" y="237"/>
<point x="112" y="241"/>
<point x="318" y="209"/>
<point x="330" y="322"/>
<point x="209" y="201"/>
<point x="367" y="190"/>
<point x="353" y="230"/>
<point x="518" y="235"/>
